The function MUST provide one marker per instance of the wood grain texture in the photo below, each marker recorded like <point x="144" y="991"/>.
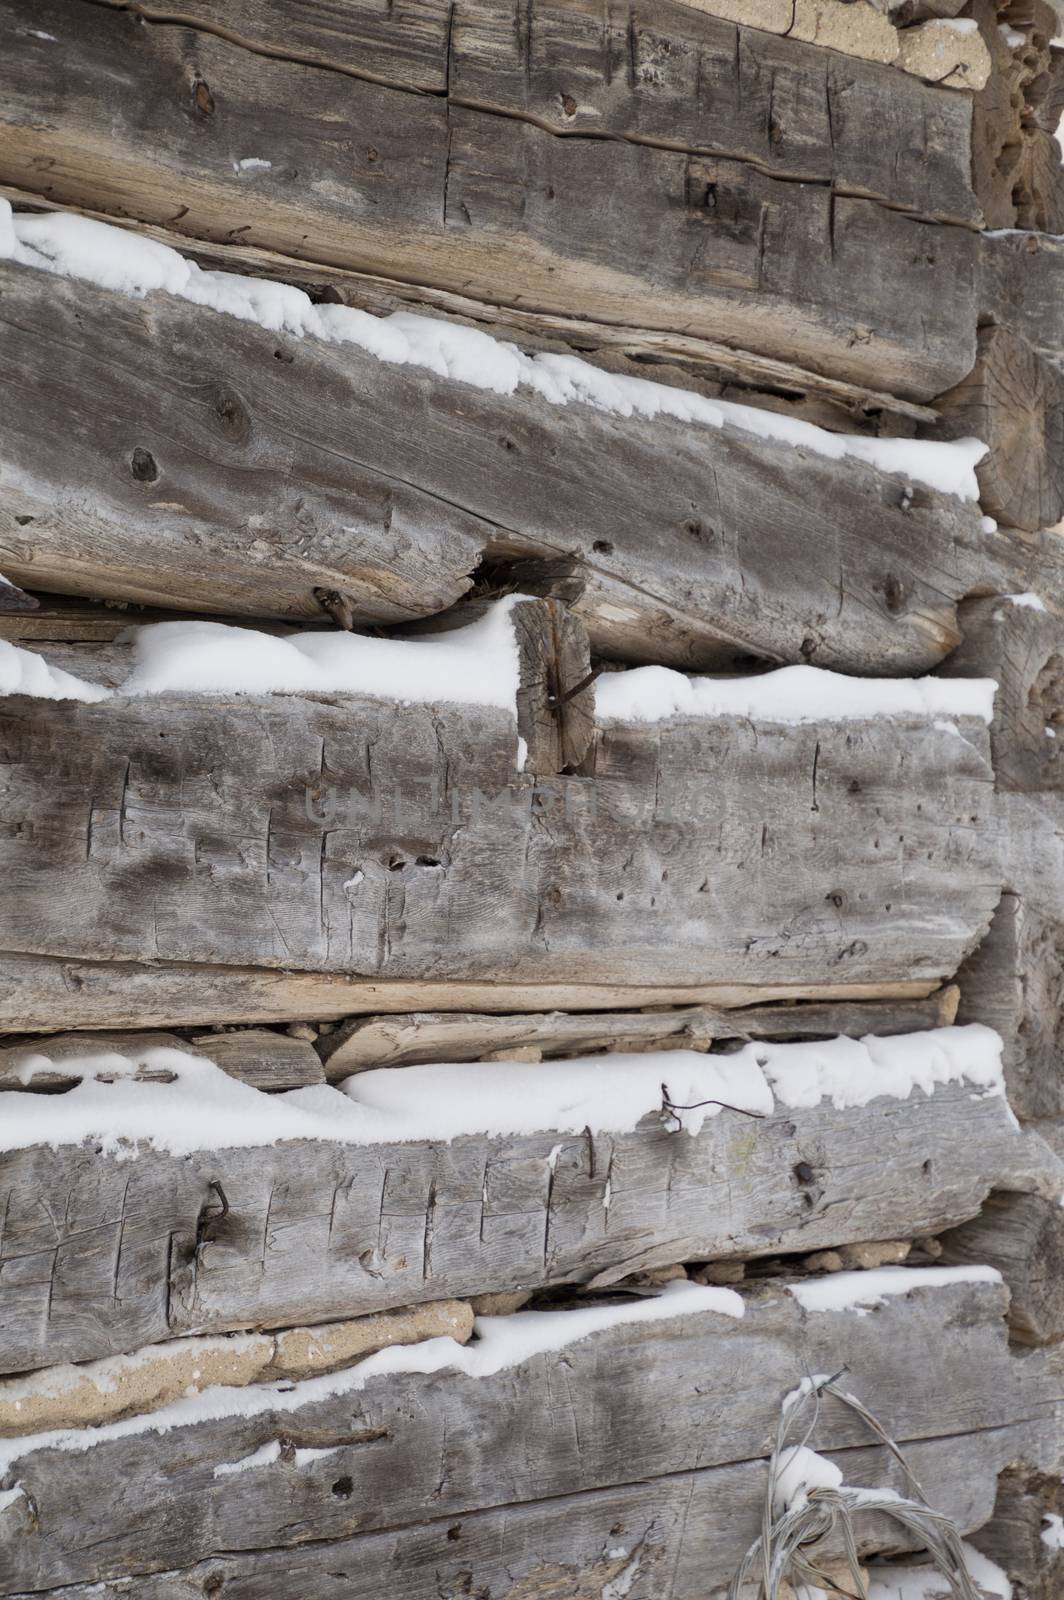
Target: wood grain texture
<point x="1013" y="399"/>
<point x="696" y="237"/>
<point x="563" y="1545"/>
<point x="218" y="477"/>
<point x="102" y="1254"/>
<point x="685" y="1395"/>
<point x="1012" y="1538"/>
<point x="1022" y="648"/>
<point x="1014" y="982"/>
<point x="361" y="837"/>
<point x="399" y="1041"/>
<point x="1015" y="159"/>
<point x="1022" y="1235"/>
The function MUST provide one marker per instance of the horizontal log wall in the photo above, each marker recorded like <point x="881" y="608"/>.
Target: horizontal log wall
<point x="681" y="1396"/>
<point x="103" y="1252"/>
<point x="470" y="197"/>
<point x="260" y="832"/>
<point x="190" y="468"/>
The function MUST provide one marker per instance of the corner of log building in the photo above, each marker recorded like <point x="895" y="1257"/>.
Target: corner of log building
<point x="532" y="800"/>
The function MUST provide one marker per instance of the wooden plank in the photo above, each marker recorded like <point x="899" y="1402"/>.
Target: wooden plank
<point x="1014" y="982"/>
<point x="1023" y="1236"/>
<point x="401" y="1041"/>
<point x="565" y="1544"/>
<point x="40" y="993"/>
<point x="683" y="543"/>
<point x="102" y="1254"/>
<point x="698" y="1391"/>
<point x="689" y="238"/>
<point x="266" y="1059"/>
<point x="1019" y="641"/>
<point x="364" y="837"/>
<point x="1013" y="399"/>
<point x="1020" y="286"/>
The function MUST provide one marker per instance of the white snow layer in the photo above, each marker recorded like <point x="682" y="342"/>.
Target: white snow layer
<point x="204" y="1108"/>
<point x="113" y="258"/>
<point x="22" y="672"/>
<point x="790" y="694"/>
<point x="798" y="1470"/>
<point x="1053" y="1532"/>
<point x="501" y="1343"/>
<point x="863" y="1291"/>
<point x="924" y="1583"/>
<point x="479" y="665"/>
<point x="474" y="665"/>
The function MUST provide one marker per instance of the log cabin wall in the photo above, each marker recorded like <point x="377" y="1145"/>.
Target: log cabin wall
<point x="532" y="734"/>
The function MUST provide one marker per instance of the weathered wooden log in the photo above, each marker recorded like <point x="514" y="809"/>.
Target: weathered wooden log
<point x="660" y="98"/>
<point x="1022" y="1235"/>
<point x="1014" y="982"/>
<point x="681" y="542"/>
<point x="491" y="198"/>
<point x="680" y="1395"/>
<point x="1013" y="399"/>
<point x="102" y="1252"/>
<point x="263" y="1058"/>
<point x="1025" y="1536"/>
<point x="360" y="836"/>
<point x="655" y="1532"/>
<point x="1019" y="642"/>
<point x="1020" y="278"/>
<point x="41" y="993"/>
<point x="400" y="1041"/>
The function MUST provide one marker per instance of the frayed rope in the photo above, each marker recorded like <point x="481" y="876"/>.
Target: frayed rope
<point x="822" y="1512"/>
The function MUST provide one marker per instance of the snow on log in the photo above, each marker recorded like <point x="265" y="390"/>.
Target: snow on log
<point x="262" y="1057"/>
<point x="690" y="1383"/>
<point x="479" y="184"/>
<point x="213" y="468"/>
<point x="137" y="1210"/>
<point x="389" y="837"/>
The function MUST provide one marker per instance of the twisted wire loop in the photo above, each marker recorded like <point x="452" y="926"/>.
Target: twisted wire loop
<point x="784" y="1551"/>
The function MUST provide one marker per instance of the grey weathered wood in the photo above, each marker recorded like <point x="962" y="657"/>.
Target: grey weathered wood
<point x="565" y="1544"/>
<point x="15" y="600"/>
<point x="1023" y="1236"/>
<point x="1020" y="278"/>
<point x="266" y="1059"/>
<point x="904" y="12"/>
<point x="555" y="696"/>
<point x="400" y="1041"/>
<point x="685" y="543"/>
<point x="676" y="1397"/>
<point x="1022" y="648"/>
<point x="362" y="837"/>
<point x="1013" y="1536"/>
<point x="691" y="236"/>
<point x="101" y="1253"/>
<point x="41" y="993"/>
<point x="1013" y="399"/>
<point x="1014" y="982"/>
<point x="641" y="352"/>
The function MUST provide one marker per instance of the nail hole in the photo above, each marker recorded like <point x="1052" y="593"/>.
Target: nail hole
<point x="602" y="547"/>
<point x="142" y="466"/>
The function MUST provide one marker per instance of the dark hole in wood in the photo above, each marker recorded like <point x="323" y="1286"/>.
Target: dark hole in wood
<point x="23" y="522"/>
<point x="284" y="355"/>
<point x="343" y="1488"/>
<point x="396" y="864"/>
<point x="143" y="466"/>
<point x="804" y="1172"/>
<point x="427" y="861"/>
<point x="602" y="547"/>
<point x="202" y="98"/>
<point x="454" y="1531"/>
